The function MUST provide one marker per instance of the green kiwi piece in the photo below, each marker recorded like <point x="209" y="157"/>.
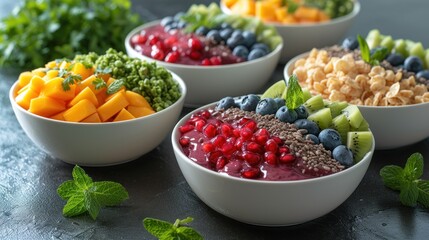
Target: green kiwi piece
<point x="336" y="107"/>
<point x="276" y="90"/>
<point x="374" y="38"/>
<point x="388" y="43"/>
<point x="341" y="124"/>
<point x="418" y="50"/>
<point x="359" y="143"/>
<point x="306" y="94"/>
<point x="401" y="47"/>
<point x="364" y="126"/>
<point x="427" y="58"/>
<point x="314" y="103"/>
<point x="321" y="117"/>
<point x="353" y="115"/>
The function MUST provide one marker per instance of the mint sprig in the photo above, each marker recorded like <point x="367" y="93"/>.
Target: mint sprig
<point x="374" y="59"/>
<point x="166" y="231"/>
<point x="84" y="195"/>
<point x="294" y="94"/>
<point x="407" y="181"/>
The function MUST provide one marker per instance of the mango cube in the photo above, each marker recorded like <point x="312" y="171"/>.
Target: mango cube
<point x="86" y="93"/>
<point x="112" y="106"/>
<point x="80" y="111"/>
<point x="123" y="115"/>
<point x="46" y="106"/>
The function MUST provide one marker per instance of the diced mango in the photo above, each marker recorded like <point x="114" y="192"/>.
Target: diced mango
<point x="39" y="71"/>
<point x="87" y="82"/>
<point x="24" y="78"/>
<point x="307" y="14"/>
<point x="65" y="65"/>
<point x="59" y="116"/>
<point x="136" y="99"/>
<point x="281" y="14"/>
<point x="36" y="83"/>
<point x="140" y="111"/>
<point x="80" y="111"/>
<point x="51" y="74"/>
<point x="265" y="11"/>
<point x="244" y="7"/>
<point x="229" y="3"/>
<point x="102" y="95"/>
<point x="46" y="106"/>
<point x="113" y="106"/>
<point x="23" y="99"/>
<point x="79" y="68"/>
<point x="86" y="93"/>
<point x="54" y="88"/>
<point x="93" y="118"/>
<point x="123" y="115"/>
<point x="51" y="64"/>
<point x="122" y="91"/>
<point x="20" y="90"/>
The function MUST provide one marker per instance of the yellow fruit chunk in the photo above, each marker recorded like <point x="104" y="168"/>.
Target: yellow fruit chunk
<point x="39" y="71"/>
<point x="51" y="64"/>
<point x="23" y="99"/>
<point x="244" y="7"/>
<point x="93" y="118"/>
<point x="24" y="78"/>
<point x="46" y="106"/>
<point x="229" y="3"/>
<point x="22" y="89"/>
<point x="65" y="64"/>
<point x="101" y="96"/>
<point x="86" y="93"/>
<point x="113" y="106"/>
<point x="51" y="74"/>
<point x="281" y="14"/>
<point x="88" y="82"/>
<point x="54" y="88"/>
<point x="79" y="68"/>
<point x="36" y="83"/>
<point x="136" y="99"/>
<point x="307" y="14"/>
<point x="122" y="91"/>
<point x="80" y="111"/>
<point x="59" y="116"/>
<point x="265" y="11"/>
<point x="123" y="115"/>
<point x="140" y="111"/>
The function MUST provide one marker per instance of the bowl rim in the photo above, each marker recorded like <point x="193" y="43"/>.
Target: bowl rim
<point x="177" y="149"/>
<point x="292" y="61"/>
<point x="176" y="78"/>
<point x="128" y="47"/>
<point x="350" y="15"/>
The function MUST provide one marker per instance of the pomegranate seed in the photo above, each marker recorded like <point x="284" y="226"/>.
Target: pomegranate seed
<point x="228" y="148"/>
<point x="284" y="149"/>
<point x="262" y="132"/>
<point x="208" y="147"/>
<point x="170" y="41"/>
<point x="157" y="54"/>
<point x="153" y="39"/>
<point x="209" y="130"/>
<point x="160" y="45"/>
<point x="236" y="132"/>
<point x="138" y="39"/>
<point x="172" y="57"/>
<point x="243" y="121"/>
<point x="287" y="157"/>
<point x="277" y="139"/>
<point x="194" y="119"/>
<point x="254" y="147"/>
<point x="226" y="129"/>
<point x="239" y="143"/>
<point x="213" y="156"/>
<point x="184" y="141"/>
<point x="195" y="44"/>
<point x="206" y="114"/>
<point x="271" y="145"/>
<point x="261" y="139"/>
<point x="221" y="162"/>
<point x="218" y="140"/>
<point x="246" y="133"/>
<point x="216" y="60"/>
<point x="270" y="158"/>
<point x="231" y="140"/>
<point x="186" y="128"/>
<point x="195" y="55"/>
<point x="199" y="125"/>
<point x="250" y="125"/>
<point x="251" y="173"/>
<point x="251" y="158"/>
<point x="206" y="62"/>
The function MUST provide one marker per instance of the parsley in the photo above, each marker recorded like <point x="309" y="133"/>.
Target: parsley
<point x="99" y="83"/>
<point x="372" y="59"/>
<point x="407" y="181"/>
<point x="292" y="6"/>
<point x="84" y="195"/>
<point x="115" y="86"/>
<point x="294" y="94"/>
<point x="70" y="79"/>
<point x="166" y="231"/>
<point x="99" y="70"/>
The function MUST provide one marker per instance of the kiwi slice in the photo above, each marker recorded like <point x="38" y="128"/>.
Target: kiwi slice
<point x="418" y="50"/>
<point x="275" y="91"/>
<point x="388" y="43"/>
<point x="374" y="38"/>
<point x="353" y="115"/>
<point x="401" y="47"/>
<point x="336" y="107"/>
<point x="427" y="58"/>
<point x="314" y="103"/>
<point x="364" y="126"/>
<point x="306" y="94"/>
<point x="341" y="124"/>
<point x="322" y="118"/>
<point x="359" y="143"/>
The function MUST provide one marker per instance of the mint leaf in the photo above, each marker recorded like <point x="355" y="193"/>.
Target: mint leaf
<point x="414" y="167"/>
<point x="294" y="94"/>
<point x="157" y="227"/>
<point x="115" y="86"/>
<point x="166" y="231"/>
<point x="99" y="83"/>
<point x="67" y="189"/>
<point x="409" y="193"/>
<point x="91" y="204"/>
<point x="81" y="179"/>
<point x="75" y="205"/>
<point x="392" y="176"/>
<point x="374" y="59"/>
<point x="188" y="233"/>
<point x="364" y="49"/>
<point x="423" y="186"/>
<point x="109" y="193"/>
<point x="378" y="55"/>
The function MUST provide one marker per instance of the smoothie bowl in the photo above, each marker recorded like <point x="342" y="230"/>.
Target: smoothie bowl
<point x="392" y="95"/>
<point x="266" y="168"/>
<point x="84" y="111"/>
<point x="218" y="56"/>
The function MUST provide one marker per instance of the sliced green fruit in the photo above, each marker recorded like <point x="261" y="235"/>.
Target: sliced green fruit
<point x="306" y="94"/>
<point x="341" y="124"/>
<point x="276" y="90"/>
<point x="374" y="38"/>
<point x="364" y="126"/>
<point x="321" y="117"/>
<point x="359" y="143"/>
<point x="336" y="107"/>
<point x="401" y="47"/>
<point x="353" y="115"/>
<point x="418" y="50"/>
<point x="314" y="103"/>
<point x="427" y="59"/>
<point x="388" y="43"/>
<point x="408" y="45"/>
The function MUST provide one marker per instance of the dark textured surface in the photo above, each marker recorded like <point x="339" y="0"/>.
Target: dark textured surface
<point x="31" y="209"/>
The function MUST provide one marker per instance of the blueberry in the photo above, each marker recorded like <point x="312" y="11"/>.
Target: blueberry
<point x="237" y="32"/>
<point x="249" y="102"/>
<point x="395" y="59"/>
<point x="413" y="64"/>
<point x="266" y="106"/>
<point x="330" y="138"/>
<point x="181" y="24"/>
<point x="350" y="43"/>
<point x="225" y="26"/>
<point x="255" y="54"/>
<point x="226" y="102"/>
<point x="238" y="100"/>
<point x="286" y="115"/>
<point x="280" y="102"/>
<point x="234" y="41"/>
<point x="302" y="112"/>
<point x="241" y="51"/>
<point x="179" y="16"/>
<point x="343" y="155"/>
<point x="225" y="33"/>
<point x="167" y="21"/>
<point x="313" y="138"/>
<point x="170" y="26"/>
<point x="214" y="35"/>
<point x="249" y="38"/>
<point x="372" y="51"/>
<point x="262" y="46"/>
<point x="308" y="125"/>
<point x="202" y="31"/>
<point x="423" y="74"/>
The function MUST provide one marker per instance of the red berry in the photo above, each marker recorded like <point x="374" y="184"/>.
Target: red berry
<point x="251" y="157"/>
<point x="206" y="114"/>
<point x="170" y="41"/>
<point x="184" y="141"/>
<point x="221" y="162"/>
<point x="195" y="44"/>
<point x="250" y="125"/>
<point x="157" y="54"/>
<point x="159" y="45"/>
<point x="226" y="129"/>
<point x="243" y="121"/>
<point x="239" y="143"/>
<point x="227" y="148"/>
<point x="199" y="125"/>
<point x="195" y="55"/>
<point x="216" y="60"/>
<point x="286" y="158"/>
<point x="261" y="139"/>
<point x="231" y="140"/>
<point x="270" y="158"/>
<point x="218" y="140"/>
<point x="213" y="156"/>
<point x="236" y="132"/>
<point x="153" y="39"/>
<point x="271" y="145"/>
<point x="186" y="128"/>
<point x="206" y="62"/>
<point x="246" y="133"/>
<point x="254" y="147"/>
<point x="138" y="39"/>
<point x="208" y="147"/>
<point x="251" y="173"/>
<point x="284" y="149"/>
<point x="277" y="139"/>
<point x="210" y="130"/>
<point x="172" y="57"/>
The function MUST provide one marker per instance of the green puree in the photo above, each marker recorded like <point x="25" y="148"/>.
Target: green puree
<point x="155" y="83"/>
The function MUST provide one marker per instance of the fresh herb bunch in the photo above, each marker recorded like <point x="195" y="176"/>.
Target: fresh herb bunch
<point x="407" y="181"/>
<point x="39" y="31"/>
<point x="372" y="59"/>
<point x="334" y="8"/>
<point x="84" y="195"/>
<point x="166" y="231"/>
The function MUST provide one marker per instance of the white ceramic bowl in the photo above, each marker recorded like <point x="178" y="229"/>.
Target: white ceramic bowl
<point x="299" y="38"/>
<point x="268" y="203"/>
<point x="207" y="84"/>
<point x="99" y="144"/>
<point x="393" y="126"/>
